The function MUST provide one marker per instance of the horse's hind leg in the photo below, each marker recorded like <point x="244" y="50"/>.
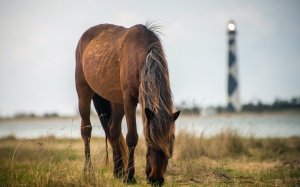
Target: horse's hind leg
<point x="117" y="140"/>
<point x="111" y="116"/>
<point x="85" y="95"/>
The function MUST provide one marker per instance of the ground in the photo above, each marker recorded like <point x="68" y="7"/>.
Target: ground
<point x="223" y="160"/>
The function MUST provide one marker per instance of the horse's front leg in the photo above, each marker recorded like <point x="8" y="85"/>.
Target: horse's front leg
<point x="131" y="137"/>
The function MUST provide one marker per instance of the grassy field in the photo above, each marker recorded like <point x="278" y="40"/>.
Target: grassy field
<point x="223" y="160"/>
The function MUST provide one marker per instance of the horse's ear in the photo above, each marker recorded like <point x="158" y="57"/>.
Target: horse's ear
<point x="175" y="115"/>
<point x="149" y="114"/>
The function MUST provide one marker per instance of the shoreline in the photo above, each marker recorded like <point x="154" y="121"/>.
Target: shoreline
<point x="224" y="114"/>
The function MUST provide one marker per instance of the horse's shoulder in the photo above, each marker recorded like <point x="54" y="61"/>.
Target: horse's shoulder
<point x="138" y="28"/>
<point x="137" y="33"/>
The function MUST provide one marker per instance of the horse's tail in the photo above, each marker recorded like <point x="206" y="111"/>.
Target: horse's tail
<point x="103" y="108"/>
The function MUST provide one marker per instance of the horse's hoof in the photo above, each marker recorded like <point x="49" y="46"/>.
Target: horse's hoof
<point x="156" y="182"/>
<point x="119" y="173"/>
<point x="88" y="168"/>
<point x="130" y="180"/>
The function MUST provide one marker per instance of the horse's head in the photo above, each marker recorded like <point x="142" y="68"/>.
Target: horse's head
<point x="160" y="142"/>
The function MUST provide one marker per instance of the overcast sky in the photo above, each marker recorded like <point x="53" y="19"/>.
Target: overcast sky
<point x="38" y="40"/>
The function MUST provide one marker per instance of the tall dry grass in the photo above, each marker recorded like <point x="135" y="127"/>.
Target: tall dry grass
<point x="229" y="144"/>
<point x="226" y="144"/>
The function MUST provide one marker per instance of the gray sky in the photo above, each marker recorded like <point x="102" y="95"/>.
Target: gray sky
<point x="38" y="40"/>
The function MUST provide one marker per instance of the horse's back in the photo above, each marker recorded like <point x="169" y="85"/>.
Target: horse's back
<point x="103" y="49"/>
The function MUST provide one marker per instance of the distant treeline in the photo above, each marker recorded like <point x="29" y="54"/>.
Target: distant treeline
<point x="277" y="105"/>
<point x="189" y="110"/>
<point x="32" y="115"/>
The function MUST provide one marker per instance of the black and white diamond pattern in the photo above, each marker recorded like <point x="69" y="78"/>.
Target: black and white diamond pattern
<point x="232" y="91"/>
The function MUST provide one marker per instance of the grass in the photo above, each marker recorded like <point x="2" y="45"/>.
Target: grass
<point x="226" y="159"/>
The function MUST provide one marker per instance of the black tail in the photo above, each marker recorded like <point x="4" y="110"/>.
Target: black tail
<point x="103" y="109"/>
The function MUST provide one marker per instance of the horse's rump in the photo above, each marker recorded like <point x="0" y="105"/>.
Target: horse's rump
<point x="100" y="62"/>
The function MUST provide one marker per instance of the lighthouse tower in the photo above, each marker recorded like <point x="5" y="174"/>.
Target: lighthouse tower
<point x="233" y="84"/>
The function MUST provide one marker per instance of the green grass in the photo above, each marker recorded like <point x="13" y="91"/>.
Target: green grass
<point x="223" y="160"/>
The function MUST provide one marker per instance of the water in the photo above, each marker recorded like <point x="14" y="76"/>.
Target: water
<point x="257" y="125"/>
<point x="266" y="125"/>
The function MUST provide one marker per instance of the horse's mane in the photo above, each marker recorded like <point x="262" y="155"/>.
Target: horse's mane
<point x="155" y="94"/>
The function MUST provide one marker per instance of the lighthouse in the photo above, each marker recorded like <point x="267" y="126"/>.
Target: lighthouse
<point x="233" y="97"/>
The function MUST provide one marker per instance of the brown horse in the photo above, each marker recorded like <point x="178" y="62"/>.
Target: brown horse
<point x="118" y="68"/>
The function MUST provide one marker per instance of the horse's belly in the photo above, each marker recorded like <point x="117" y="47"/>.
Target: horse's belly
<point x="102" y="73"/>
